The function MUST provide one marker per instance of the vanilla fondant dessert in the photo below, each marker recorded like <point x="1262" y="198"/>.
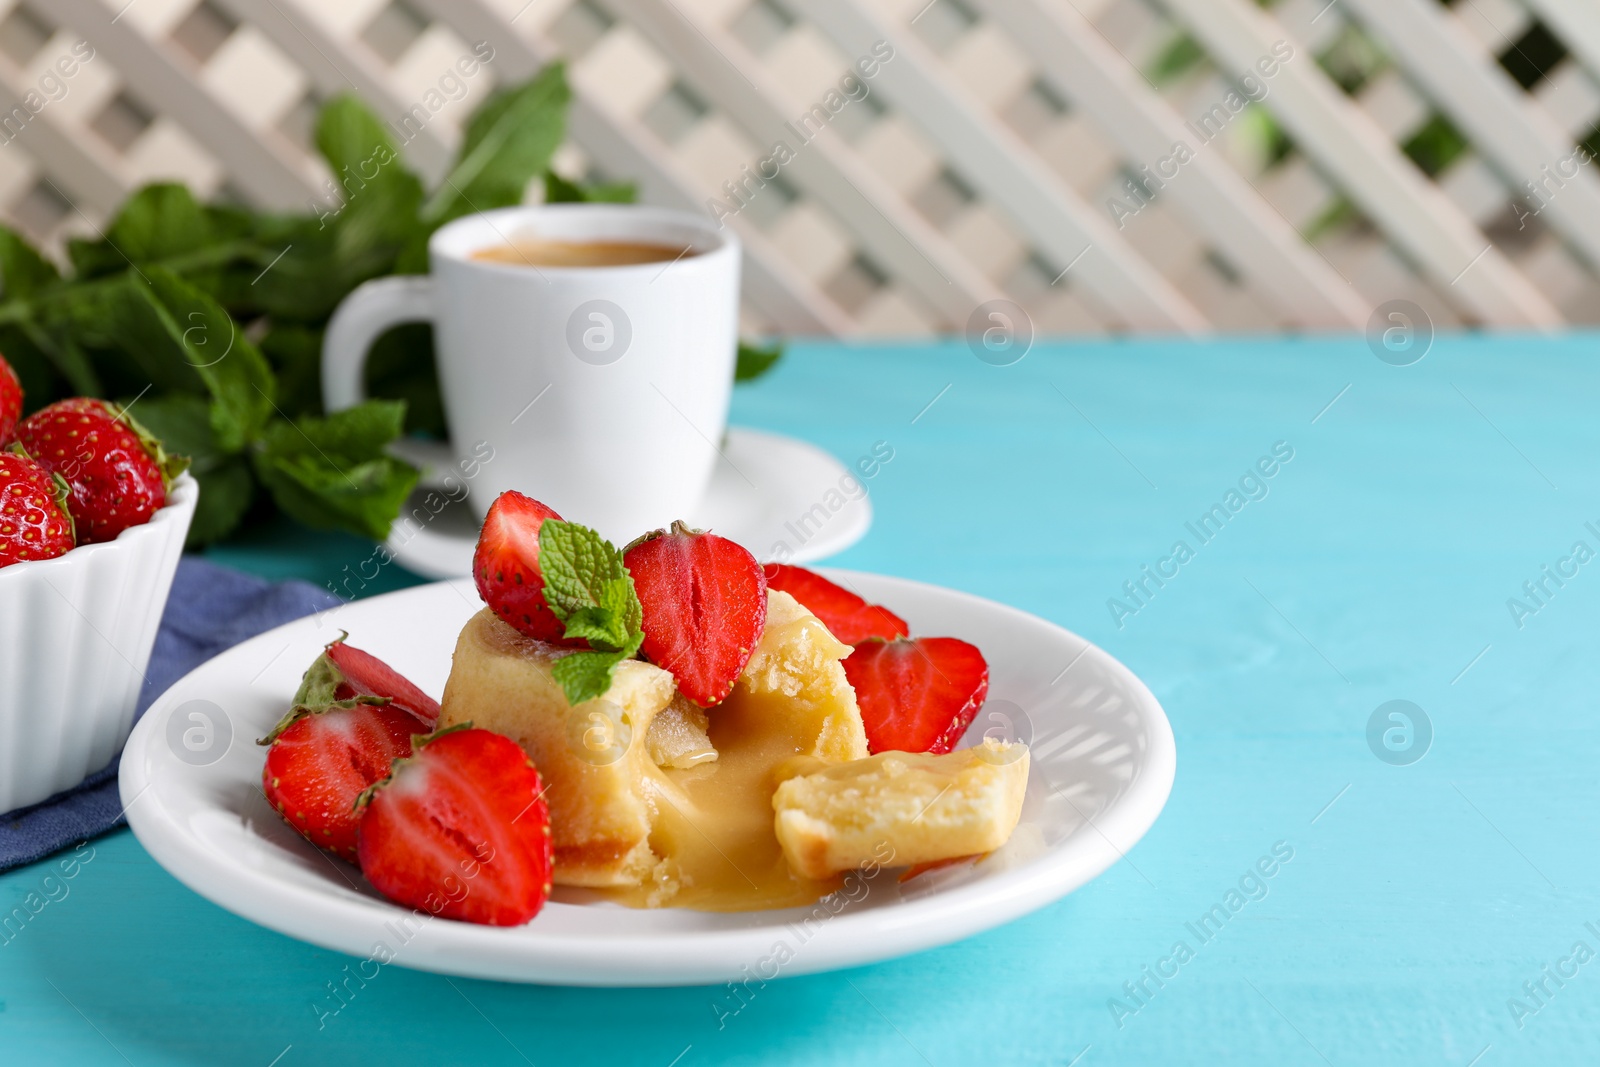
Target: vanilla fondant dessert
<point x="672" y="724"/>
<point x="668" y="804"/>
<point x="703" y="736"/>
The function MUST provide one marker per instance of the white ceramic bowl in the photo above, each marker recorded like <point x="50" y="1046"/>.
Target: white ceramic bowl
<point x="75" y="639"/>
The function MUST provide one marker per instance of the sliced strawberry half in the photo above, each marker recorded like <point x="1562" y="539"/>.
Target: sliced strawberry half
<point x="506" y="566"/>
<point x="917" y="695"/>
<point x="847" y="616"/>
<point x="460" y="830"/>
<point x="705" y="604"/>
<point x="367" y="675"/>
<point x="320" y="763"/>
<point x="353" y="716"/>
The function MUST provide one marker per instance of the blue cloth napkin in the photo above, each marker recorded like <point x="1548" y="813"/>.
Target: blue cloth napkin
<point x="211" y="609"/>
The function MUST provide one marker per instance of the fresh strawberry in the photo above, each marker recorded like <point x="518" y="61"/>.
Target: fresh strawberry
<point x="34" y="522"/>
<point x="117" y="471"/>
<point x="10" y="401"/>
<point x="322" y="761"/>
<point x="846" y="615"/>
<point x="367" y="675"/>
<point x="353" y="716"/>
<point x="917" y="695"/>
<point x="461" y="830"/>
<point x="506" y="565"/>
<point x="705" y="603"/>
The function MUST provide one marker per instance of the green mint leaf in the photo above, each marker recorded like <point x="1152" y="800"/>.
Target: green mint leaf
<point x="36" y="368"/>
<point x="304" y="265"/>
<point x="332" y="473"/>
<point x="363" y="499"/>
<point x="182" y="337"/>
<point x="557" y="190"/>
<point x="23" y="271"/>
<point x="32" y="349"/>
<point x="754" y="360"/>
<point x="586" y="675"/>
<point x="226" y="492"/>
<point x="184" y="425"/>
<point x="401" y="366"/>
<point x="354" y="434"/>
<point x="601" y="627"/>
<point x="380" y="196"/>
<point x="589" y="589"/>
<point x="611" y="193"/>
<point x="509" y="141"/>
<point x="158" y="222"/>
<point x="576" y="563"/>
<point x="295" y="354"/>
<point x="619" y="598"/>
<point x="301" y="271"/>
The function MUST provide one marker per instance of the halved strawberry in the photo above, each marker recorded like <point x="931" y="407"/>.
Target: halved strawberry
<point x="917" y="695"/>
<point x="506" y="566"/>
<point x="847" y="616"/>
<point x="352" y="717"/>
<point x="460" y="830"/>
<point x="705" y="603"/>
<point x="320" y="763"/>
<point x="367" y="675"/>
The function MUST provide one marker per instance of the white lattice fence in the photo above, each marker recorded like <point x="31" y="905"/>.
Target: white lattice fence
<point x="892" y="164"/>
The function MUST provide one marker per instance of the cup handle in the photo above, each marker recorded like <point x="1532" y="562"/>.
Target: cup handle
<point x="371" y="308"/>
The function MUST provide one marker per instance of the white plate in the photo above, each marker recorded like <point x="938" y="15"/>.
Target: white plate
<point x="767" y="490"/>
<point x="1103" y="761"/>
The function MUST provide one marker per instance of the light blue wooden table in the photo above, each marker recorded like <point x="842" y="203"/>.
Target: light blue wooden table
<point x="1431" y="910"/>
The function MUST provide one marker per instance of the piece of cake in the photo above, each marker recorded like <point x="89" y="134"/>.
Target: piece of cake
<point x="592" y="757"/>
<point x="647" y="810"/>
<point x="901" y="808"/>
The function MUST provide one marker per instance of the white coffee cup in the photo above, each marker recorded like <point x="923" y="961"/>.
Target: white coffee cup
<point x="601" y="391"/>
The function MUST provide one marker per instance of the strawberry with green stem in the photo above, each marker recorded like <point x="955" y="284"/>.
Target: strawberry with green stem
<point x="352" y="717"/>
<point x="118" y="473"/>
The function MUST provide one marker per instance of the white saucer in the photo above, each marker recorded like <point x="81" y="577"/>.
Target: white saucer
<point x="768" y="490"/>
<point x="1103" y="763"/>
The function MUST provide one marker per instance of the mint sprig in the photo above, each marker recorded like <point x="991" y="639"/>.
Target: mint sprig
<point x="589" y="589"/>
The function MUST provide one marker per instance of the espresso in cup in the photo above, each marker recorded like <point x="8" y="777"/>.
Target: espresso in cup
<point x="534" y="252"/>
